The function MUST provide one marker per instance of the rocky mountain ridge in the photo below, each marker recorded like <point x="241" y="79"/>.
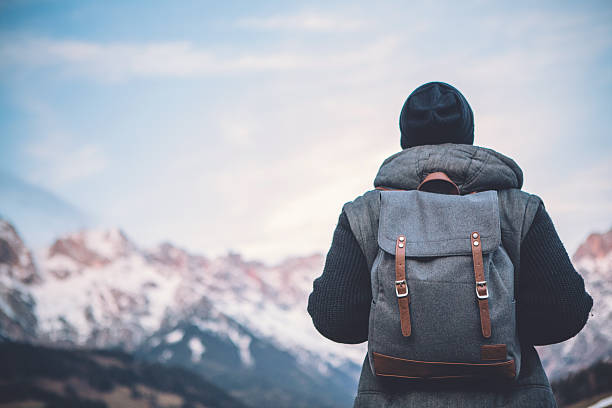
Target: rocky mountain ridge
<point x="98" y="289"/>
<point x="18" y="319"/>
<point x="593" y="260"/>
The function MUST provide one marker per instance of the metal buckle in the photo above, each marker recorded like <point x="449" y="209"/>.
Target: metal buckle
<point x="486" y="295"/>
<point x="399" y="282"/>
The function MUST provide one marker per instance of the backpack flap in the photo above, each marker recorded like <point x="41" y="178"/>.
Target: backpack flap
<point x="437" y="224"/>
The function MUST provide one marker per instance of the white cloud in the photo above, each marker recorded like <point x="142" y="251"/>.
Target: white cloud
<point x="61" y="161"/>
<point x="237" y="133"/>
<point x="304" y="21"/>
<point x="121" y="61"/>
<point x="110" y="61"/>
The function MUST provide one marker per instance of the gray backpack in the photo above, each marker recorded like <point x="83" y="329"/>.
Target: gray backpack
<point x="443" y="288"/>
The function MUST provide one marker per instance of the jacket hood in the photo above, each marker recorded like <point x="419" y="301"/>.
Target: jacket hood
<point x="472" y="168"/>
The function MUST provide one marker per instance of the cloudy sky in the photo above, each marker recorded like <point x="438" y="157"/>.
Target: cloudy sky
<point x="247" y="125"/>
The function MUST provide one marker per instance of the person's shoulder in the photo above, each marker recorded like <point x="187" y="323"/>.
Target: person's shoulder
<point x="518" y="210"/>
<point x="362" y="214"/>
<point x="366" y="200"/>
<point x="516" y="196"/>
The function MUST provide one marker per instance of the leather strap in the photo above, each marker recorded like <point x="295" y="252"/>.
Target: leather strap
<point x="401" y="286"/>
<point x="390" y="366"/>
<point x="482" y="293"/>
<point x="388" y="189"/>
<point x="440" y="176"/>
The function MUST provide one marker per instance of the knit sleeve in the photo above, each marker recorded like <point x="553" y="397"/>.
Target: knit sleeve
<point x="552" y="303"/>
<point x="340" y="300"/>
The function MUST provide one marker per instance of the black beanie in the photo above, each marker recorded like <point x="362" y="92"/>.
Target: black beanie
<point x="436" y="113"/>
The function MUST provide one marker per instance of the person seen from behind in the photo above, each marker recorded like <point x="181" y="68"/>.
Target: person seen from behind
<point x="549" y="302"/>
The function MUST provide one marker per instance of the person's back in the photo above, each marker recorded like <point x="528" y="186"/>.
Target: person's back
<point x="551" y="303"/>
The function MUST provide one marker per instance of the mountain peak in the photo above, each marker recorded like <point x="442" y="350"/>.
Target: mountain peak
<point x="92" y="248"/>
<point x="17" y="270"/>
<point x="15" y="258"/>
<point x="171" y="255"/>
<point x="596" y="246"/>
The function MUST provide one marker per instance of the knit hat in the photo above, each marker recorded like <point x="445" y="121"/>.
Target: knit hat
<point x="436" y="113"/>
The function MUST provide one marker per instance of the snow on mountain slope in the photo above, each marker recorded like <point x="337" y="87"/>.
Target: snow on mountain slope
<point x="271" y="301"/>
<point x="114" y="296"/>
<point x="99" y="289"/>
<point x="17" y="270"/>
<point x="16" y="260"/>
<point x="593" y="260"/>
<point x="246" y="365"/>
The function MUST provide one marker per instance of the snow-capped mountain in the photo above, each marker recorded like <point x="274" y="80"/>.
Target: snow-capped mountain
<point x="105" y="290"/>
<point x="99" y="289"/>
<point x="17" y="271"/>
<point x="593" y="260"/>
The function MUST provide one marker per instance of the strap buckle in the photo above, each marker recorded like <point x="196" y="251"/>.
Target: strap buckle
<point x="482" y="284"/>
<point x="397" y="284"/>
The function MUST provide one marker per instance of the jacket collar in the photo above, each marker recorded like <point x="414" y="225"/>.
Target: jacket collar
<point x="472" y="168"/>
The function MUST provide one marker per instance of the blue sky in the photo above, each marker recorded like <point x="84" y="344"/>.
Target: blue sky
<point x="247" y="125"/>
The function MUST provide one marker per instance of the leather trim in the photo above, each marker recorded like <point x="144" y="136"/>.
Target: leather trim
<point x="493" y="352"/>
<point x="401" y="285"/>
<point x="388" y="366"/>
<point x="481" y="284"/>
<point x="449" y="186"/>
<point x="389" y="189"/>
